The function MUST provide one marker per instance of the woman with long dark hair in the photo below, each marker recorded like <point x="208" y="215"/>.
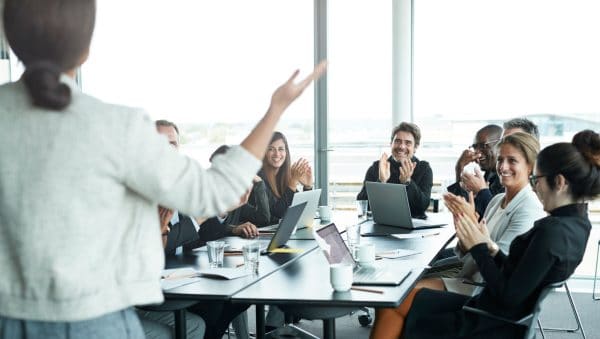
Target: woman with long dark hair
<point x="80" y="237"/>
<point x="281" y="176"/>
<point x="566" y="175"/>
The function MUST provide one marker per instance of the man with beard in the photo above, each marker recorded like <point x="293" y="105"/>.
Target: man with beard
<point x="483" y="185"/>
<point x="402" y="167"/>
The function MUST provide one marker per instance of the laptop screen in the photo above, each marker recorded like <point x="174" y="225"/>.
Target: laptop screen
<point x="334" y="246"/>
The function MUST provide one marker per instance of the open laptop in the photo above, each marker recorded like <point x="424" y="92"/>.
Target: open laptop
<point x="308" y="216"/>
<point x="285" y="229"/>
<point x="389" y="204"/>
<point x="312" y="202"/>
<point x="337" y="252"/>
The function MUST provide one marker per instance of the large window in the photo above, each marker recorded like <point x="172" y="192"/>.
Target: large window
<point x="209" y="66"/>
<point x="479" y="62"/>
<point x="359" y="93"/>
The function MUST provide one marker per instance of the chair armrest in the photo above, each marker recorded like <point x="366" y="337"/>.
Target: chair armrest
<point x="474" y="283"/>
<point x="525" y="321"/>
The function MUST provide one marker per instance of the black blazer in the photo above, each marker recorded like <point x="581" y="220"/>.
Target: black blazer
<point x="547" y="253"/>
<point x="181" y="234"/>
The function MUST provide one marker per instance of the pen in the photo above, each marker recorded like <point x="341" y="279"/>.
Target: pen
<point x="430" y="234"/>
<point x="229" y="254"/>
<point x="179" y="276"/>
<point x="366" y="290"/>
<point x="239" y="265"/>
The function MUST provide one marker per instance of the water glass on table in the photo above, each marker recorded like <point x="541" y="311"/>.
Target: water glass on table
<point x="251" y="252"/>
<point x="216" y="251"/>
<point x="353" y="238"/>
<point x="361" y="207"/>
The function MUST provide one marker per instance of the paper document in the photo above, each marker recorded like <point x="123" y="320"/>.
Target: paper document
<point x="397" y="253"/>
<point x="178" y="277"/>
<point x="415" y="234"/>
<point x="224" y="272"/>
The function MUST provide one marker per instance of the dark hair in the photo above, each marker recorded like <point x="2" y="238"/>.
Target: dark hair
<point x="283" y="175"/>
<point x="166" y="123"/>
<point x="49" y="37"/>
<point x="410" y="128"/>
<point x="523" y="123"/>
<point x="220" y="150"/>
<point x="491" y="130"/>
<point x="578" y="162"/>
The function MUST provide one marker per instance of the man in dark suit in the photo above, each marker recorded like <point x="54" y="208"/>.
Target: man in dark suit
<point x="483" y="185"/>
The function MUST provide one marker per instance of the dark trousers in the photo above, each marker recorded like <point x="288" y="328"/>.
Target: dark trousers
<point x="217" y="315"/>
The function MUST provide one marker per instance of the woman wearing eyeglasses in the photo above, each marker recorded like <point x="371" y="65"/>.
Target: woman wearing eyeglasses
<point x="566" y="175"/>
<point x="507" y="215"/>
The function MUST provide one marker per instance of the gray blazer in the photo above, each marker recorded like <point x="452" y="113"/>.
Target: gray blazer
<point x="520" y="213"/>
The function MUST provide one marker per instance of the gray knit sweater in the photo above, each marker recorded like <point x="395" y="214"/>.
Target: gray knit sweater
<point x="79" y="233"/>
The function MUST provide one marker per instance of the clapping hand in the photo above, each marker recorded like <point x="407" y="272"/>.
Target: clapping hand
<point x="474" y="182"/>
<point x="466" y="157"/>
<point x="407" y="168"/>
<point x="458" y="206"/>
<point x="471" y="233"/>
<point x="306" y="178"/>
<point x="384" y="168"/>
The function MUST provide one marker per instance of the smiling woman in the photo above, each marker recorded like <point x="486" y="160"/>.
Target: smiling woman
<point x="282" y="177"/>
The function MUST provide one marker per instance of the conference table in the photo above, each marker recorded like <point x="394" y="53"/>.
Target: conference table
<point x="296" y="281"/>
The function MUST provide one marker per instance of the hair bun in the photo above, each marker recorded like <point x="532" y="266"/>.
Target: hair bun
<point x="587" y="143"/>
<point x="43" y="81"/>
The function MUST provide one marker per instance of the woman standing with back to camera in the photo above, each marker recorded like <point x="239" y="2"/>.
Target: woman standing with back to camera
<point x="80" y="237"/>
<point x="565" y="176"/>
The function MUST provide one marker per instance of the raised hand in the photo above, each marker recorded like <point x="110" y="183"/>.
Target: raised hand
<point x="474" y="182"/>
<point x="407" y="168"/>
<point x="384" y="168"/>
<point x="289" y="91"/>
<point x="245" y="230"/>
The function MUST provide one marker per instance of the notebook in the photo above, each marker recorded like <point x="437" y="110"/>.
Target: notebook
<point x="390" y="206"/>
<point x="337" y="252"/>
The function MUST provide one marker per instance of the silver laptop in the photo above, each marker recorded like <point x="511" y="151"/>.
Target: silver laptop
<point x="390" y="206"/>
<point x="308" y="216"/>
<point x="285" y="229"/>
<point x="312" y="202"/>
<point x="338" y="253"/>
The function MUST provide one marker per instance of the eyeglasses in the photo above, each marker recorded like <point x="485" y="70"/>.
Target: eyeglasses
<point x="485" y="145"/>
<point x="533" y="179"/>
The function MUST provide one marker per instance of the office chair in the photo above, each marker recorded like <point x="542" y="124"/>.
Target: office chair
<point x="596" y="273"/>
<point x="575" y="315"/>
<point x="528" y="320"/>
<point x="326" y="314"/>
<point x="178" y="308"/>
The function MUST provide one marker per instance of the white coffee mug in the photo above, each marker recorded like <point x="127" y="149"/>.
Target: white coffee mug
<point x="365" y="254"/>
<point x="340" y="277"/>
<point x="324" y="213"/>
